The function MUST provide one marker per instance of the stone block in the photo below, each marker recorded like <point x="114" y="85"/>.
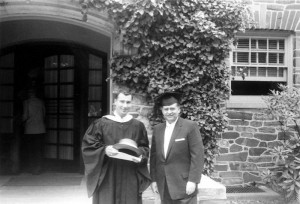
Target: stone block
<point x="275" y="7"/>
<point x="235" y="148"/>
<point x="223" y="143"/>
<point x="242" y="156"/>
<point x="261" y="116"/>
<point x="271" y="145"/>
<point x="271" y="123"/>
<point x="239" y="115"/>
<point x="246" y="129"/>
<point x="265" y="137"/>
<point x="238" y="122"/>
<point x="230" y="128"/>
<point x="296" y="78"/>
<point x="256" y="123"/>
<point x="232" y="181"/>
<point x="210" y="189"/>
<point x="284" y="19"/>
<point x="145" y="111"/>
<point x="285" y="135"/>
<point x="285" y="1"/>
<point x="246" y="134"/>
<point x="248" y="177"/>
<point x="247" y="142"/>
<point x="260" y="159"/>
<point x="267" y="130"/>
<point x="266" y="165"/>
<point x="223" y="150"/>
<point x="242" y="166"/>
<point x="256" y="151"/>
<point x="230" y="135"/>
<point x="262" y="144"/>
<point x="293" y="7"/>
<point x="264" y="1"/>
<point x="219" y="167"/>
<point x="231" y="174"/>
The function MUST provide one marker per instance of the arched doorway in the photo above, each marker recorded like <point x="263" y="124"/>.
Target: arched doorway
<point x="71" y="80"/>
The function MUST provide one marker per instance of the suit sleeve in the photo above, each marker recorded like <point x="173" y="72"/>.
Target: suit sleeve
<point x="197" y="154"/>
<point x="153" y="158"/>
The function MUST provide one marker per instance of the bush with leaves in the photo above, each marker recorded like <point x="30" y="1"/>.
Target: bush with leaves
<point x="284" y="106"/>
<point x="181" y="46"/>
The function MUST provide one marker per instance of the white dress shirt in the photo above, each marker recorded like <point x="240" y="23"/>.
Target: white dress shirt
<point x="168" y="133"/>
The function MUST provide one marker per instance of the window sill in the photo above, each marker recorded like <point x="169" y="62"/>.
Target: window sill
<point x="246" y="102"/>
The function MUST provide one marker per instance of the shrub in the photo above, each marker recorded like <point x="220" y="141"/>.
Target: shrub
<point x="284" y="105"/>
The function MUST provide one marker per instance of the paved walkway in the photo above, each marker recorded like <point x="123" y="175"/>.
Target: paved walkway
<point x="52" y="193"/>
<point x="62" y="188"/>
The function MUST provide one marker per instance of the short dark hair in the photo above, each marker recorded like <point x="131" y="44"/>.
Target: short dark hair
<point x="125" y="93"/>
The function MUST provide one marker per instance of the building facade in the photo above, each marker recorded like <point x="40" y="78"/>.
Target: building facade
<point x="46" y="44"/>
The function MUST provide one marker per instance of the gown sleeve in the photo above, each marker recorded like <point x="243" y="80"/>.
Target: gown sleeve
<point x="93" y="153"/>
<point x="143" y="172"/>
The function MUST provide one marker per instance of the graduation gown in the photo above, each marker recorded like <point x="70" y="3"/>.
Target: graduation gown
<point x="111" y="180"/>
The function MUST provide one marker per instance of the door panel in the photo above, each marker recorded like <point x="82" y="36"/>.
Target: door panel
<point x="59" y="98"/>
<point x="6" y="111"/>
<point x="95" y="87"/>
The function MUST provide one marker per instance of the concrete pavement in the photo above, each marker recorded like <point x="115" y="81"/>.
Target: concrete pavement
<point x="49" y="194"/>
<point x="49" y="188"/>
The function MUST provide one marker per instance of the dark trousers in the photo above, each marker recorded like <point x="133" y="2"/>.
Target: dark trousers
<point x="32" y="152"/>
<point x="166" y="198"/>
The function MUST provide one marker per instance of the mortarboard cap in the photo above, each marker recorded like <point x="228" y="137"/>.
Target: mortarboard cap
<point x="168" y="98"/>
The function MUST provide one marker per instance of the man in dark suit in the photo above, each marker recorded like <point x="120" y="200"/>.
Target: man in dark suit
<point x="177" y="154"/>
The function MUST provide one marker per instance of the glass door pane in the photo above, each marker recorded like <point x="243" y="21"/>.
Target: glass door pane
<point x="95" y="88"/>
<point x="6" y="93"/>
<point x="59" y="95"/>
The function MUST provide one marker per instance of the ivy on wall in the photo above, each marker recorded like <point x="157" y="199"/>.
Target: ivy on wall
<point x="180" y="46"/>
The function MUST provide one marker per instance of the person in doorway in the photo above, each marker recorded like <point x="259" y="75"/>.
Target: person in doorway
<point x="177" y="154"/>
<point x="34" y="131"/>
<point x="111" y="180"/>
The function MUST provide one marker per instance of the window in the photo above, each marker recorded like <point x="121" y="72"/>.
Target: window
<point x="258" y="64"/>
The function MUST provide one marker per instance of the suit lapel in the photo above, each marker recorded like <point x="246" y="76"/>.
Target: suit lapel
<point x="175" y="133"/>
<point x="161" y="139"/>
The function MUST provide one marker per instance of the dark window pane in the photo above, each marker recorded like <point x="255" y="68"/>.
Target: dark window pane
<point x="281" y="44"/>
<point x="262" y="44"/>
<point x="243" y="57"/>
<point x="262" y="57"/>
<point x="281" y="58"/>
<point x="253" y="71"/>
<point x="262" y="71"/>
<point x="253" y="57"/>
<point x="254" y="88"/>
<point x="273" y="44"/>
<point x="273" y="57"/>
<point x="272" y="71"/>
<point x="253" y="44"/>
<point x="243" y="43"/>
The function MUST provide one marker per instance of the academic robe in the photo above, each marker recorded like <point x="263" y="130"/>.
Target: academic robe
<point x="111" y="180"/>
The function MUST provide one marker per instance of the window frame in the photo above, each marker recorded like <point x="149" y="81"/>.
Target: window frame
<point x="250" y="101"/>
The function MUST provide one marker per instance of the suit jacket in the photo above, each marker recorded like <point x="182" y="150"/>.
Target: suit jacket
<point x="184" y="161"/>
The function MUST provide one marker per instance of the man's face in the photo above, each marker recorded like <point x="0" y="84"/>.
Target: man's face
<point x="170" y="113"/>
<point x="123" y="104"/>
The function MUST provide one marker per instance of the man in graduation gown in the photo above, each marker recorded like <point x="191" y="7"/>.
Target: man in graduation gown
<point x="177" y="154"/>
<point x="111" y="180"/>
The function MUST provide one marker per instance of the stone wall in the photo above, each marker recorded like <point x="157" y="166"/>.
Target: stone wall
<point x="244" y="146"/>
